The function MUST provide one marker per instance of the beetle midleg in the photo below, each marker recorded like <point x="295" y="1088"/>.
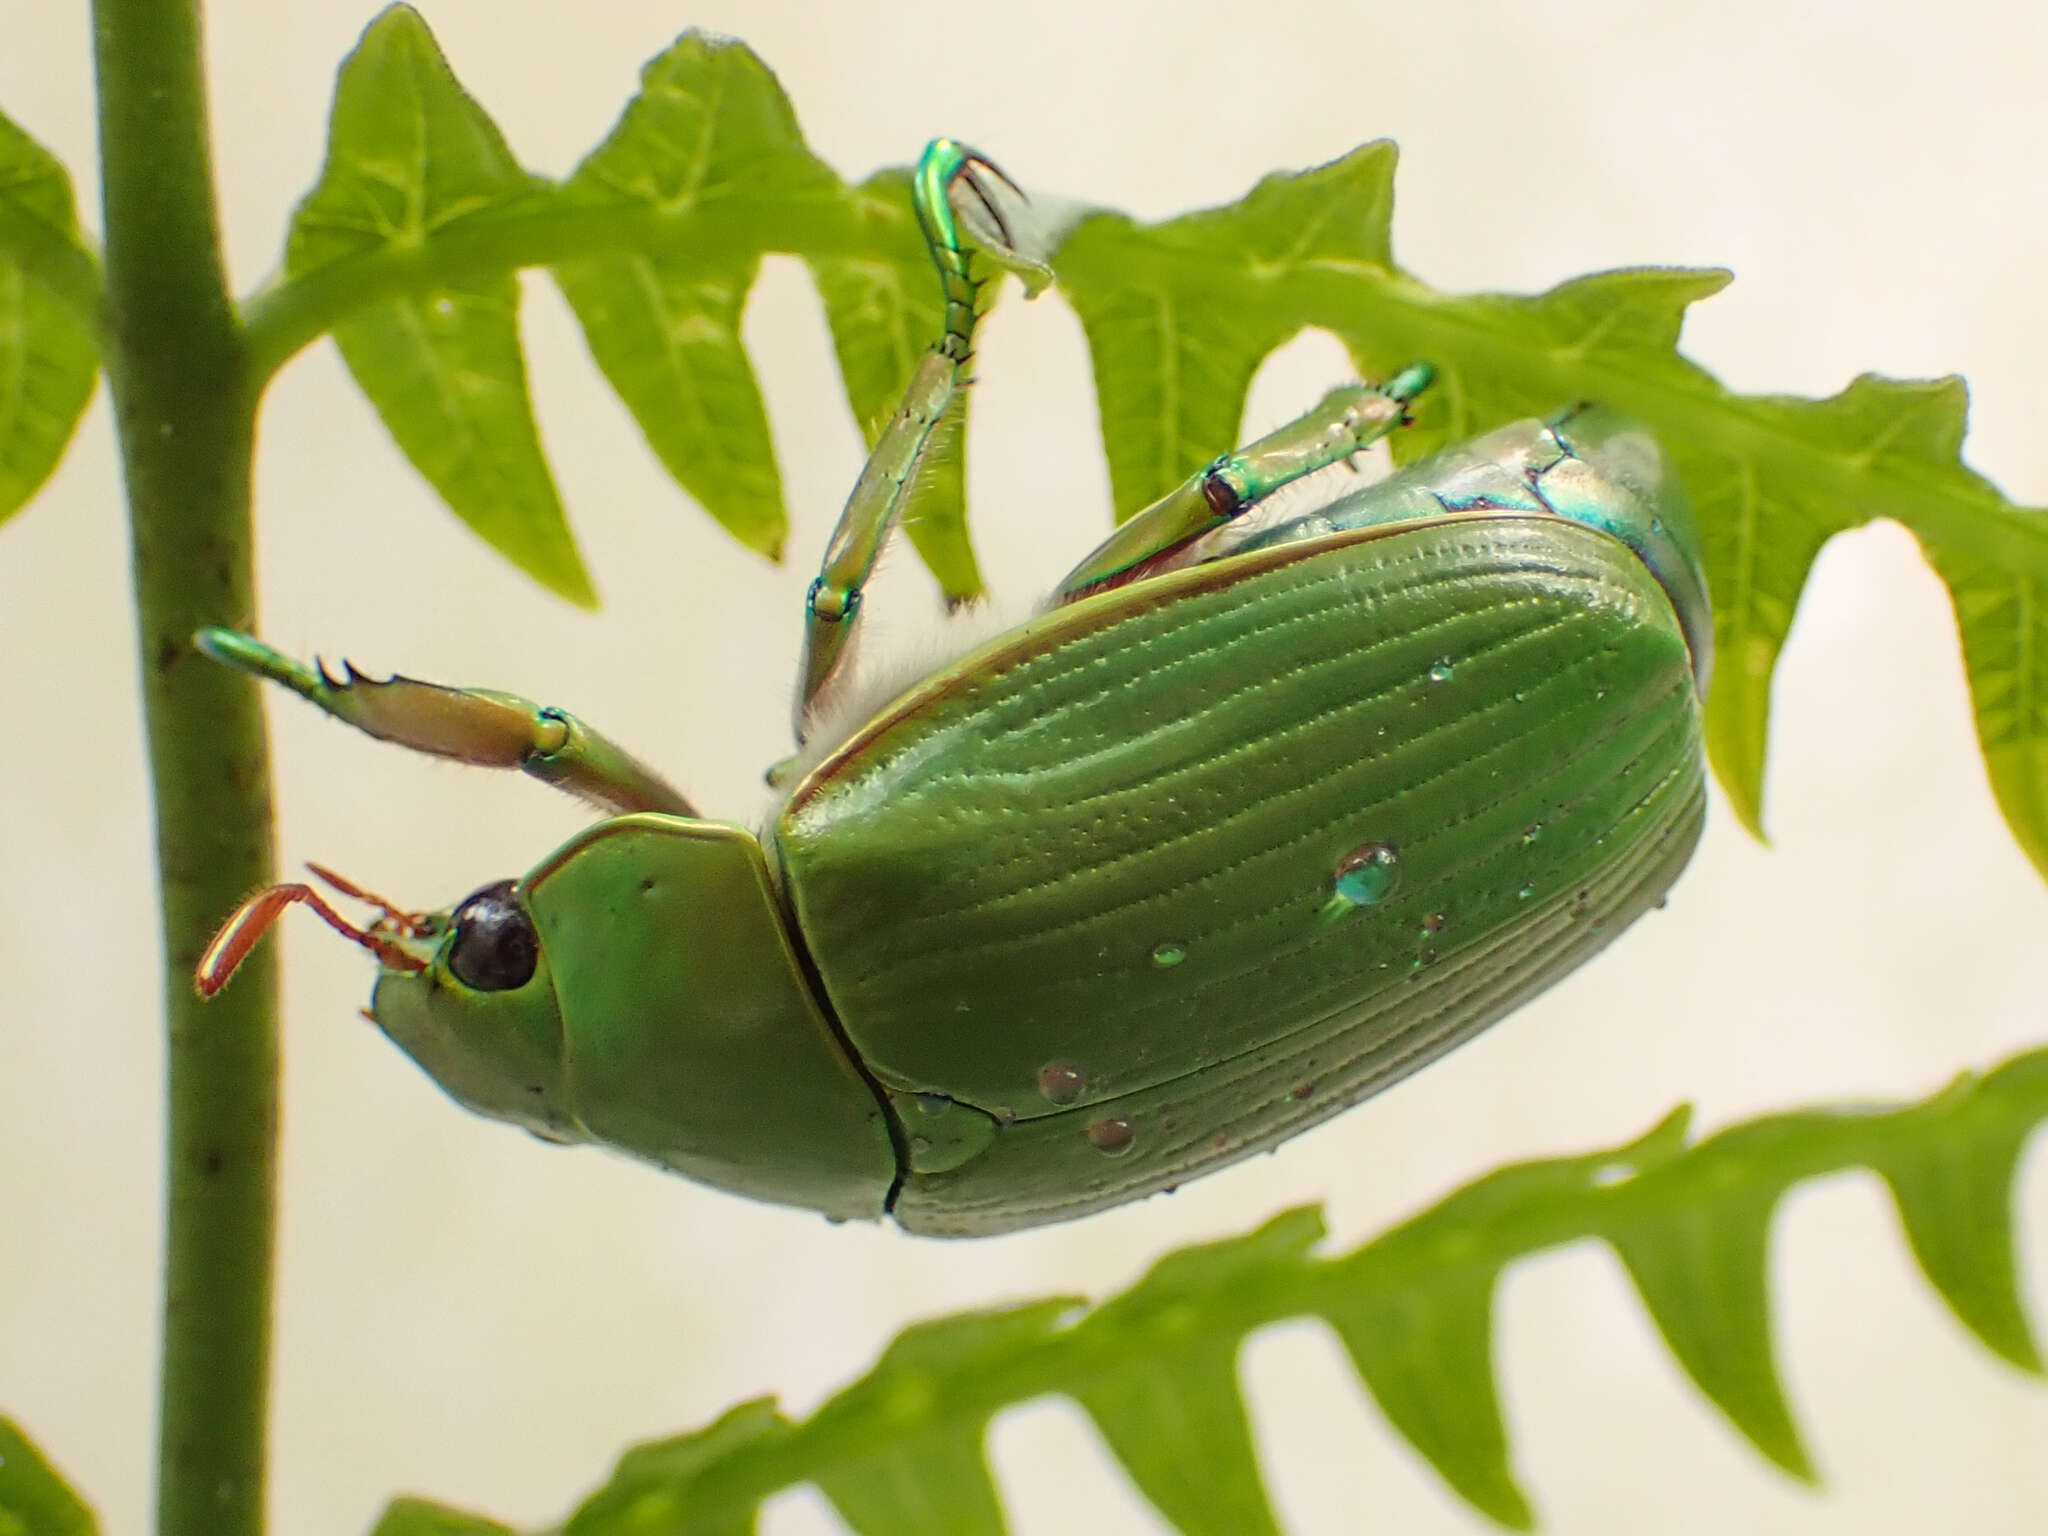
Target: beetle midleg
<point x="471" y="725"/>
<point x="832" y="606"/>
<point x="1345" y="421"/>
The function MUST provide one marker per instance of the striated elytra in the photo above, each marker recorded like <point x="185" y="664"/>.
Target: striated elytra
<point x="1281" y="799"/>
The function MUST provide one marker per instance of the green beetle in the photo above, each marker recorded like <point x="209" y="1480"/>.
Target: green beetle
<point x="1282" y="797"/>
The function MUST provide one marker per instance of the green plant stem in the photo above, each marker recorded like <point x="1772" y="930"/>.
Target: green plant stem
<point x="185" y="413"/>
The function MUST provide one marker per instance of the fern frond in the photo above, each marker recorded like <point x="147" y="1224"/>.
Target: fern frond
<point x="900" y="1451"/>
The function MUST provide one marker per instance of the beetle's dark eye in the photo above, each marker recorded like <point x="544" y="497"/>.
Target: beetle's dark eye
<point x="495" y="947"/>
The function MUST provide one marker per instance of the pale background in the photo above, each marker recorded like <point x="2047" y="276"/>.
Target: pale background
<point x="468" y="1314"/>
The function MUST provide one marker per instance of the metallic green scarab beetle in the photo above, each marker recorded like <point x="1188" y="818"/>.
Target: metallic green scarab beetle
<point x="1282" y="797"/>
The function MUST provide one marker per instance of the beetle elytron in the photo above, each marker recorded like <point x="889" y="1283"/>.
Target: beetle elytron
<point x="1281" y="798"/>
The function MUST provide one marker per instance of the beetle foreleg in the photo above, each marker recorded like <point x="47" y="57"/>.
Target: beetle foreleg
<point x="471" y="725"/>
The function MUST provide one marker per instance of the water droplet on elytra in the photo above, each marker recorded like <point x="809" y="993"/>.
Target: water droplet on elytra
<point x="1525" y="893"/>
<point x="1167" y="955"/>
<point x="1364" y="876"/>
<point x="1061" y="1082"/>
<point x="1111" y="1135"/>
<point x="1531" y="832"/>
<point x="1440" y="672"/>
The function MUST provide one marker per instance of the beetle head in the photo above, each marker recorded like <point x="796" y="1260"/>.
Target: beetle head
<point x="638" y="989"/>
<point x="467" y="993"/>
<point x="480" y="1016"/>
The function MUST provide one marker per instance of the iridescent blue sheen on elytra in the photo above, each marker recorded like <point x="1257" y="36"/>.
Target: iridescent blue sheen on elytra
<point x="1587" y="463"/>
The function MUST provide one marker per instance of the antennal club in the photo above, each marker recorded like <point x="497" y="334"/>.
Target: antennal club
<point x="248" y="923"/>
<point x="396" y="919"/>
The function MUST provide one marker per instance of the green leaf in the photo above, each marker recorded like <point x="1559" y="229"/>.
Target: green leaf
<point x="417" y="1517"/>
<point x="1954" y="1195"/>
<point x="933" y="1484"/>
<point x="922" y="1470"/>
<point x="668" y="338"/>
<point x="2003" y="618"/>
<point x="657" y="1489"/>
<point x="885" y="310"/>
<point x="411" y="156"/>
<point x="1702" y="1268"/>
<point x="1179" y="1428"/>
<point x="1758" y="552"/>
<point x="34" y="1499"/>
<point x="710" y="138"/>
<point x="1182" y="1434"/>
<point x="47" y="359"/>
<point x="1762" y="532"/>
<point x="1415" y="1310"/>
<point x="901" y="1449"/>
<point x="1428" y="1358"/>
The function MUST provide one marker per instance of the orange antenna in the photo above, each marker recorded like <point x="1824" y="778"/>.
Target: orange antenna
<point x="395" y="917"/>
<point x="254" y="917"/>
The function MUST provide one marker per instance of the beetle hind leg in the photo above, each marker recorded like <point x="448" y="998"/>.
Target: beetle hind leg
<point x="1346" y="421"/>
<point x="478" y="726"/>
